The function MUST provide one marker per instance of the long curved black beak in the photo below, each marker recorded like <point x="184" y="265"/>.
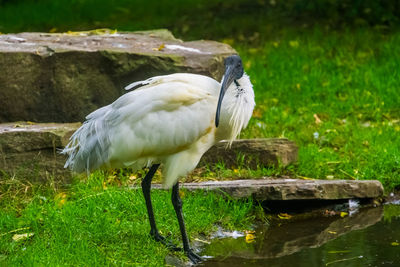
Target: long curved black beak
<point x="228" y="79"/>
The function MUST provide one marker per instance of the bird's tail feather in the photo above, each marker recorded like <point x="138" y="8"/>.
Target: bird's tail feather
<point x="88" y="147"/>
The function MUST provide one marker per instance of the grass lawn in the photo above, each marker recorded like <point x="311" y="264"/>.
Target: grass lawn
<point x="99" y="222"/>
<point x="330" y="85"/>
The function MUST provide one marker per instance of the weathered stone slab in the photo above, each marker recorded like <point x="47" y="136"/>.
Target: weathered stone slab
<point x="252" y="152"/>
<point x="293" y="189"/>
<point x="63" y="77"/>
<point x="32" y="148"/>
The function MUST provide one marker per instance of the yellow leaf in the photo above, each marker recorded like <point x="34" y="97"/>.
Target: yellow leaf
<point x="332" y="232"/>
<point x="132" y="177"/>
<point x="395" y="244"/>
<point x="317" y="119"/>
<point x="250" y="238"/>
<point x="160" y="48"/>
<point x="235" y="170"/>
<point x="284" y="216"/>
<point x="343" y="214"/>
<point x="304" y="177"/>
<point x="20" y="237"/>
<point x="53" y="30"/>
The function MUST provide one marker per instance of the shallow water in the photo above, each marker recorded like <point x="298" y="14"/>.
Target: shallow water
<point x="369" y="237"/>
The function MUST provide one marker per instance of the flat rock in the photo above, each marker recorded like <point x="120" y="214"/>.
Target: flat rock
<point x="31" y="149"/>
<point x="62" y="77"/>
<point x="293" y="189"/>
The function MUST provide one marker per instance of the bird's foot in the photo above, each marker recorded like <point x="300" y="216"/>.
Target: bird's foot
<point x="193" y="257"/>
<point x="159" y="238"/>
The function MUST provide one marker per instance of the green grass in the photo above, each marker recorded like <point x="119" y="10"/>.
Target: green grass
<point x="343" y="70"/>
<point x="100" y="222"/>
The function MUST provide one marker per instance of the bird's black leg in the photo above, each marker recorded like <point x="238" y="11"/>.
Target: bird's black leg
<point x="146" y="186"/>
<point x="177" y="202"/>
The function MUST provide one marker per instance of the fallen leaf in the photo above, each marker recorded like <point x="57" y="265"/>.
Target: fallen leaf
<point x="284" y="216"/>
<point x="343" y="214"/>
<point x="395" y="244"/>
<point x="305" y="178"/>
<point x="332" y="232"/>
<point x="160" y="48"/>
<point x="317" y="119"/>
<point x="20" y="237"/>
<point x="250" y="238"/>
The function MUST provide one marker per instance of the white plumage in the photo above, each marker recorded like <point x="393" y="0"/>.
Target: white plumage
<point x="168" y="120"/>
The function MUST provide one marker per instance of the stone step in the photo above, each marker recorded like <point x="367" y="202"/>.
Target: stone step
<point x="291" y="189"/>
<point x="62" y="77"/>
<point x="31" y="150"/>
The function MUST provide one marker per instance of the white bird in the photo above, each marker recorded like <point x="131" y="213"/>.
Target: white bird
<point x="170" y="120"/>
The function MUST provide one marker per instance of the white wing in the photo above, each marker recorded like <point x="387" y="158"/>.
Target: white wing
<point x="160" y="119"/>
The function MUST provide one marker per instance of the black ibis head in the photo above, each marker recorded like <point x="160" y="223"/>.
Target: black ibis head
<point x="233" y="71"/>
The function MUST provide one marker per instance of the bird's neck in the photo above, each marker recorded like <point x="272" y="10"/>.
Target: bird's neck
<point x="238" y="105"/>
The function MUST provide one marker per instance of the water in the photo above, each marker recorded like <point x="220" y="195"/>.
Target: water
<point x="369" y="237"/>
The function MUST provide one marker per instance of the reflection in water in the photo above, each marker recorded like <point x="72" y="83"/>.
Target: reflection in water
<point x="367" y="238"/>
